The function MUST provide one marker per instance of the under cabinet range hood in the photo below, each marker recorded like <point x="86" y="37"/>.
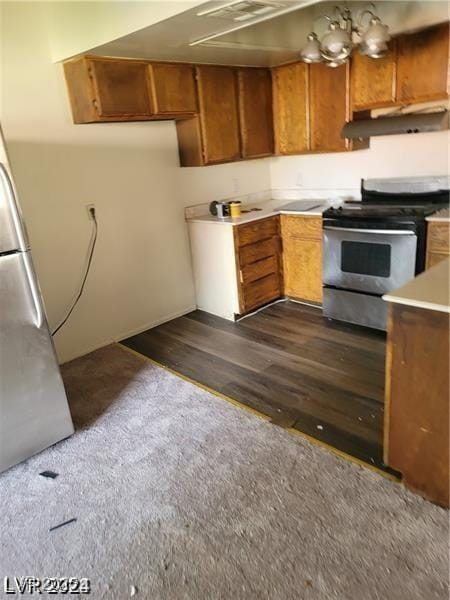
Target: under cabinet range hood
<point x="395" y="124"/>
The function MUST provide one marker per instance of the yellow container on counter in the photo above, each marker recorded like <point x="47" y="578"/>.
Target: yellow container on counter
<point x="235" y="209"/>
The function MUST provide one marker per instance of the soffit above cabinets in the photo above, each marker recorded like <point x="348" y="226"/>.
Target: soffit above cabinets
<point x="254" y="32"/>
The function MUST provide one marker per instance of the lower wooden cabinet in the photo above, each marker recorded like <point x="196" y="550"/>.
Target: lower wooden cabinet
<point x="239" y="268"/>
<point x="302" y="257"/>
<point x="258" y="264"/>
<point x="434" y="258"/>
<point x="416" y="425"/>
<point x="438" y="242"/>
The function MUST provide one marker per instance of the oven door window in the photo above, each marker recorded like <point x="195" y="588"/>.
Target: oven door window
<point x="365" y="258"/>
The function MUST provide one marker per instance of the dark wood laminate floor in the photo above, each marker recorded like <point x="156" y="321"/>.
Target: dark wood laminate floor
<point x="321" y="377"/>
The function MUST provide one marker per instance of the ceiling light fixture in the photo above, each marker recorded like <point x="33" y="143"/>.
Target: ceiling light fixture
<point x="336" y="45"/>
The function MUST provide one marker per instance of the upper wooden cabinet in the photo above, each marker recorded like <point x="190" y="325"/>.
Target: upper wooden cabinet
<point x="311" y="106"/>
<point x="373" y="80"/>
<point x="329" y="107"/>
<point x="121" y="88"/>
<point x="228" y="113"/>
<point x="217" y="94"/>
<point x="103" y="89"/>
<point x="290" y="96"/>
<point x="108" y="90"/>
<point x="234" y="120"/>
<point x="423" y="65"/>
<point x="173" y="87"/>
<point x="212" y="137"/>
<point x="255" y="112"/>
<point x="415" y="70"/>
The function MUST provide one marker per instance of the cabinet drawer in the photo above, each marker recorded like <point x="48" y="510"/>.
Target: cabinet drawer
<point x="259" y="250"/>
<point x="255" y="232"/>
<point x="438" y="237"/>
<point x="259" y="269"/>
<point x="301" y="227"/>
<point x="261" y="291"/>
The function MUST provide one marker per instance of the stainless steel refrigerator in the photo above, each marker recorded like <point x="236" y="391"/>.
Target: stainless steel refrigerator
<point x="34" y="412"/>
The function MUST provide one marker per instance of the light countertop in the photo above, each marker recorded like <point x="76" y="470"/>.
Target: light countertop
<point x="269" y="208"/>
<point x="442" y="215"/>
<point x="428" y="290"/>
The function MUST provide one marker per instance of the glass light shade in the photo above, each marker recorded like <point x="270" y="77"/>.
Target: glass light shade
<point x="376" y="51"/>
<point x="336" y="63"/>
<point x="311" y="52"/>
<point x="337" y="43"/>
<point x="375" y="38"/>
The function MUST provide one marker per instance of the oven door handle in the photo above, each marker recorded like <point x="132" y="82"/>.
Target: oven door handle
<point x="376" y="231"/>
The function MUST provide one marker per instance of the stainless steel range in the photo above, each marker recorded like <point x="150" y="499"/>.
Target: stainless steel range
<point x="375" y="245"/>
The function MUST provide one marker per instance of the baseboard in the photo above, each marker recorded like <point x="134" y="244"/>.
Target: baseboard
<point x="175" y="315"/>
<point x="129" y="333"/>
<point x="85" y="351"/>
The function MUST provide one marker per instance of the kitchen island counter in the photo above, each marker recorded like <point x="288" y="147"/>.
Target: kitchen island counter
<point x="429" y="290"/>
<point x="416" y="427"/>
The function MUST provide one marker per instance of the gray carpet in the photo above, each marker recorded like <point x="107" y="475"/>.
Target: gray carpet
<point x="184" y="496"/>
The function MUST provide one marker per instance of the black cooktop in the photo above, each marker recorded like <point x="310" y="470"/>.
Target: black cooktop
<point x="401" y="204"/>
<point x="356" y="209"/>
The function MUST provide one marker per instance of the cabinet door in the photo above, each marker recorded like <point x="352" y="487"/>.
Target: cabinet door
<point x="173" y="88"/>
<point x="217" y="89"/>
<point x="373" y="80"/>
<point x="302" y="263"/>
<point x="329" y="110"/>
<point x="290" y="95"/>
<point x="121" y="88"/>
<point x="302" y="257"/>
<point x="423" y="64"/>
<point x="255" y="112"/>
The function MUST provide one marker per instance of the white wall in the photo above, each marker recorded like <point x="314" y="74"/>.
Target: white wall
<point x="141" y="274"/>
<point x="389" y="156"/>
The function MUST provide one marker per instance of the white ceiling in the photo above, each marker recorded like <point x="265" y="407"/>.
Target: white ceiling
<point x="273" y="41"/>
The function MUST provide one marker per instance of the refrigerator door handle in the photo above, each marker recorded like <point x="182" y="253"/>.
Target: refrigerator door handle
<point x="16" y="216"/>
<point x="35" y="293"/>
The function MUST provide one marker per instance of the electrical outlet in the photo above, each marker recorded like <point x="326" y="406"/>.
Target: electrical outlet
<point x="299" y="180"/>
<point x="236" y="186"/>
<point x="91" y="211"/>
